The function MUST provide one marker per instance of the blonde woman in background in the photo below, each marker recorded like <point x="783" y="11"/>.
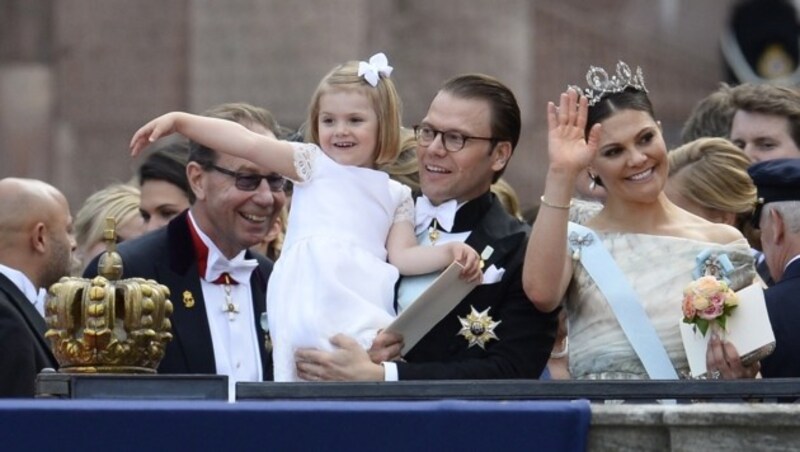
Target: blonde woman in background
<point x="708" y="177"/>
<point x="508" y="197"/>
<point x="118" y="201"/>
<point x="272" y="244"/>
<point x="406" y="168"/>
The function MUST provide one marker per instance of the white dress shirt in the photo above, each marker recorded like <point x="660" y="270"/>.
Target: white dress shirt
<point x="25" y="286"/>
<point x="235" y="341"/>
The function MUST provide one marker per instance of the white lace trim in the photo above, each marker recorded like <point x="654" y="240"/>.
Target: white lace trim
<point x="304" y="156"/>
<point x="405" y="211"/>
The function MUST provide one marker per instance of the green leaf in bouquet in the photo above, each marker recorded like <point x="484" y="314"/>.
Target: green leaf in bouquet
<point x="727" y="310"/>
<point x="722" y="321"/>
<point x="702" y="325"/>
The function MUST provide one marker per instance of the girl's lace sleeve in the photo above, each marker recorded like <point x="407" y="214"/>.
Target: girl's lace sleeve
<point x="405" y="211"/>
<point x="304" y="158"/>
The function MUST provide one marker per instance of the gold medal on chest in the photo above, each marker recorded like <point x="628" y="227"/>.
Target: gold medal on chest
<point x="188" y="299"/>
<point x="433" y="232"/>
<point x="478" y="327"/>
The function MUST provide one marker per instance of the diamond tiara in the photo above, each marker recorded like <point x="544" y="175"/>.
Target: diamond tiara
<point x="600" y="84"/>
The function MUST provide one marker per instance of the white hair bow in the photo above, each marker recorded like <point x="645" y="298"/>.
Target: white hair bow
<point x="378" y="64"/>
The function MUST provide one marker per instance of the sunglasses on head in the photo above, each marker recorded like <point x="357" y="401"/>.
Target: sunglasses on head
<point x="251" y="181"/>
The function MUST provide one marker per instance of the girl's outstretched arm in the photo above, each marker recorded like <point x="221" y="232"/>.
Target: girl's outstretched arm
<point x="221" y="135"/>
<point x="413" y="259"/>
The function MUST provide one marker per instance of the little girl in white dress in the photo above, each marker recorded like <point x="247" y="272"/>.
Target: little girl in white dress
<point x="346" y="219"/>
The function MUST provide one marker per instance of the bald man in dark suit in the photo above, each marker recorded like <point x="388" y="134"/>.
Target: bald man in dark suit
<point x="36" y="246"/>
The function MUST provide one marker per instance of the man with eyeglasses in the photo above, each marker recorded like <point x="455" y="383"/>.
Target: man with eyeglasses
<point x="464" y="144"/>
<point x="217" y="286"/>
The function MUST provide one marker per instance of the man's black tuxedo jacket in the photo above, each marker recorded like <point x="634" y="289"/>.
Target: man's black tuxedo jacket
<point x="525" y="335"/>
<point x="783" y="306"/>
<point x="24" y="351"/>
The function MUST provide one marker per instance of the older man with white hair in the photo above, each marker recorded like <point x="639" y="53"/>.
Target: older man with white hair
<point x="778" y="217"/>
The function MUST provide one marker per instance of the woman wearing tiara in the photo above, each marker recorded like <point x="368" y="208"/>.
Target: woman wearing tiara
<point x="651" y="245"/>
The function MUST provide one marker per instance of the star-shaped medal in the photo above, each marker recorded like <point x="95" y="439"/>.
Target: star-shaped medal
<point x="478" y="327"/>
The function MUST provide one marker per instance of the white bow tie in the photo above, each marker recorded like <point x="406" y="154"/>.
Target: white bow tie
<point x="238" y="268"/>
<point x="444" y="214"/>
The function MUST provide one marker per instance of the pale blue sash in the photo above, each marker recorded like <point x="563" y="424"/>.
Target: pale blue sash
<point x="623" y="300"/>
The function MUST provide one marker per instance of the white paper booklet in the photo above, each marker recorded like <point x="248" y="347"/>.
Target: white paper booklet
<point x="748" y="328"/>
<point x="431" y="306"/>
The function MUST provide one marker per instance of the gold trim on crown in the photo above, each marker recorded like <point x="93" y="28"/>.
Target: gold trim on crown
<point x="600" y="84"/>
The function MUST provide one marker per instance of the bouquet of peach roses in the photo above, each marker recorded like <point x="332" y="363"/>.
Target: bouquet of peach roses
<point x="706" y="301"/>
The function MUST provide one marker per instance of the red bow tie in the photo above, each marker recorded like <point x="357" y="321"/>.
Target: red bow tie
<point x="201" y="254"/>
<point x="225" y="278"/>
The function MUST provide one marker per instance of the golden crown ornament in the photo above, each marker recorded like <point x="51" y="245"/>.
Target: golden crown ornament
<point x="601" y="85"/>
<point x="108" y="325"/>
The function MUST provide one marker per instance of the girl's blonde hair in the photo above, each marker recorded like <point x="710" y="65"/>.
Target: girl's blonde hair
<point x="385" y="102"/>
<point x="405" y="168"/>
<point x="714" y="175"/>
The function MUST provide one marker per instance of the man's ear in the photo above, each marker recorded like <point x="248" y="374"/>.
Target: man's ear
<point x="197" y="180"/>
<point x="778" y="227"/>
<point x="38" y="237"/>
<point x="501" y="155"/>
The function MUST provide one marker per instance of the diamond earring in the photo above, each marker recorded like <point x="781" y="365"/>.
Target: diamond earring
<point x="593" y="183"/>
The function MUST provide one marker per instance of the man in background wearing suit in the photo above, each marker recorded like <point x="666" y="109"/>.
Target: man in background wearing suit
<point x="36" y="246"/>
<point x="464" y="144"/>
<point x="778" y="217"/>
<point x="217" y="286"/>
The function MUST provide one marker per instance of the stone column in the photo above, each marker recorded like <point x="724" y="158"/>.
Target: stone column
<point x="26" y="90"/>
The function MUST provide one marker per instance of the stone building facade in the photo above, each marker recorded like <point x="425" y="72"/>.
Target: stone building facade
<point x="77" y="77"/>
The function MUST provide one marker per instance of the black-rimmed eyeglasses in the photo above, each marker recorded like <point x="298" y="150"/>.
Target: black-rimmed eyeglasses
<point x="250" y="181"/>
<point x="451" y="141"/>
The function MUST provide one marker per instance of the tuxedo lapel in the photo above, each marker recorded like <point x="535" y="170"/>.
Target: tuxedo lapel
<point x="32" y="318"/>
<point x="190" y="322"/>
<point x="258" y="284"/>
<point x="498" y="230"/>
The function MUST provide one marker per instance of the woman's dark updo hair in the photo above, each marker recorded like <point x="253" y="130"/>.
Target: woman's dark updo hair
<point x="630" y="99"/>
<point x="167" y="163"/>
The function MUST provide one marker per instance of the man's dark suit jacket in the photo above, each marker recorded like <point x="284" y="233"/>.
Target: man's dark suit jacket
<point x="525" y="334"/>
<point x="24" y="351"/>
<point x="783" y="305"/>
<point x="167" y="255"/>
